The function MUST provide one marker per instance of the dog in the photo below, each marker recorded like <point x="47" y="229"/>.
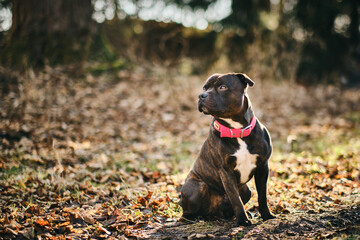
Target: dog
<point x="237" y="148"/>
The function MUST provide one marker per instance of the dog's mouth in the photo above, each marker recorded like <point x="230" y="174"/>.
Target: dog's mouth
<point x="209" y="109"/>
<point x="203" y="108"/>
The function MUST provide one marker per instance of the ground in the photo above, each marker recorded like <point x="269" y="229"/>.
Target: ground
<point x="104" y="156"/>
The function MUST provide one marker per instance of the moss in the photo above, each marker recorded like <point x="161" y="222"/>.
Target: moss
<point x="107" y="67"/>
<point x="36" y="50"/>
<point x="101" y="50"/>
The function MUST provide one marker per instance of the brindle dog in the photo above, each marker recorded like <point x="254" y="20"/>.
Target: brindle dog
<point x="216" y="185"/>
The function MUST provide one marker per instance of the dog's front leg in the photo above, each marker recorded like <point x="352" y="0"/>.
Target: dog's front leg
<point x="232" y="191"/>
<point x="261" y="177"/>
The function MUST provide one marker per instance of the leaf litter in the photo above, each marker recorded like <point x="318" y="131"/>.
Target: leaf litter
<point x="104" y="157"/>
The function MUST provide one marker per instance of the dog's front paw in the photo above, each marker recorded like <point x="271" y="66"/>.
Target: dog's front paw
<point x="244" y="223"/>
<point x="268" y="216"/>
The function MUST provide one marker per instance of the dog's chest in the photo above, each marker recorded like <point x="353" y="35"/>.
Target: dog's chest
<point x="245" y="161"/>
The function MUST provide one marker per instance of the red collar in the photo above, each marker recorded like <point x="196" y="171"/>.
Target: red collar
<point x="235" y="132"/>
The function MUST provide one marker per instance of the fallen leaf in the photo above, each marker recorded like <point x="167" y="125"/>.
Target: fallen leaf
<point x="40" y="222"/>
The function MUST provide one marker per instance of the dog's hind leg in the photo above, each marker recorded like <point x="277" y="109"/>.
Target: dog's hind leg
<point x="194" y="194"/>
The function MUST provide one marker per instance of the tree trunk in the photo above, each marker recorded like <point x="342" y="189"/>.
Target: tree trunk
<point x="354" y="25"/>
<point x="48" y="31"/>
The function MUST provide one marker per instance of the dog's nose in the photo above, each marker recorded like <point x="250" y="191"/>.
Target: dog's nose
<point x="203" y="95"/>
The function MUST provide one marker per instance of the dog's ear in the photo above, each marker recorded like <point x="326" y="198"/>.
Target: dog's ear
<point x="245" y="79"/>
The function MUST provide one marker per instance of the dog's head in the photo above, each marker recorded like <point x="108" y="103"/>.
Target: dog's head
<point x="224" y="95"/>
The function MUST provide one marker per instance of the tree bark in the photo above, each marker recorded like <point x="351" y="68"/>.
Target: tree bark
<point x="354" y="25"/>
<point x="48" y="31"/>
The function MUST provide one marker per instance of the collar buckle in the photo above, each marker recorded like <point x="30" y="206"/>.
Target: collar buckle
<point x="242" y="130"/>
<point x="232" y="133"/>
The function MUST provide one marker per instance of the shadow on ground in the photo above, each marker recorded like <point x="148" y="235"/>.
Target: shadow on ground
<point x="335" y="223"/>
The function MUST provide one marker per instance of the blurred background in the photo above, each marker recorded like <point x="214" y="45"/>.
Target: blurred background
<point x="307" y="41"/>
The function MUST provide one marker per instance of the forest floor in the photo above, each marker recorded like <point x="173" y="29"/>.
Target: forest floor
<point x="104" y="157"/>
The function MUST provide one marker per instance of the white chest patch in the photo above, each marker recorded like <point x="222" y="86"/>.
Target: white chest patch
<point x="245" y="161"/>
<point x="232" y="123"/>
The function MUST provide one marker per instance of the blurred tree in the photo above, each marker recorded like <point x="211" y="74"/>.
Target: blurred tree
<point x="48" y="31"/>
<point x="192" y="3"/>
<point x="5" y="3"/>
<point x="331" y="49"/>
<point x="246" y="14"/>
<point x="245" y="20"/>
<point x="268" y="33"/>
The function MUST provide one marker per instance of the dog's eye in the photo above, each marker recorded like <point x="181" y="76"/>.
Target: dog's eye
<point x="204" y="88"/>
<point x="223" y="87"/>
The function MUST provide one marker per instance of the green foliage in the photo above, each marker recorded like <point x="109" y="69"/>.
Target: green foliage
<point x="246" y="15"/>
<point x="332" y="42"/>
<point x="107" y="67"/>
<point x="101" y="50"/>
